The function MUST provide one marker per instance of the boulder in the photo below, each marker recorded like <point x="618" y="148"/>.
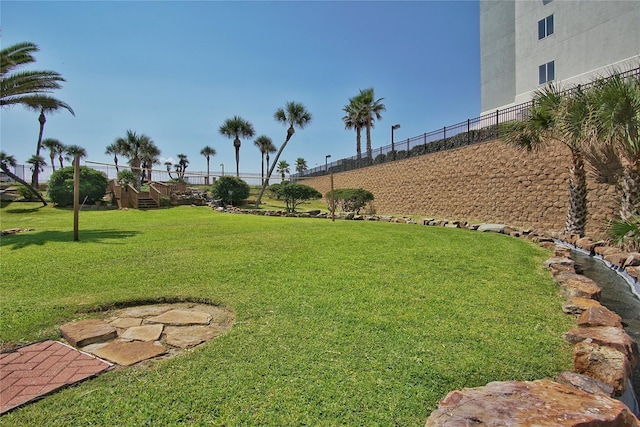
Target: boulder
<point x="606" y="250"/>
<point x="491" y="228"/>
<point x="586" y="383"/>
<point x="609" y="336"/>
<point x="633" y="260"/>
<point x="618" y="259"/>
<point x="599" y="316"/>
<point x="577" y="305"/>
<point x="562" y="251"/>
<point x="633" y="272"/>
<point x="530" y="403"/>
<point x="580" y="286"/>
<point x="603" y="363"/>
<point x="557" y="265"/>
<point x="90" y="331"/>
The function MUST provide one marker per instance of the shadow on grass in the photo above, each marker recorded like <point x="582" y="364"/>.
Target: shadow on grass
<point x="31" y="238"/>
<point x="21" y="210"/>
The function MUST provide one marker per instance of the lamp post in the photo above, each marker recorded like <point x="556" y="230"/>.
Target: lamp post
<point x="393" y="148"/>
<point x="222" y="166"/>
<point x="326" y="158"/>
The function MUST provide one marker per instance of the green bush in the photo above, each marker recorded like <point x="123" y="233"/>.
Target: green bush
<point x="294" y="194"/>
<point x="93" y="186"/>
<point x="350" y="199"/>
<point x="230" y="189"/>
<point x="126" y="177"/>
<point x="273" y="191"/>
<point x="26" y="193"/>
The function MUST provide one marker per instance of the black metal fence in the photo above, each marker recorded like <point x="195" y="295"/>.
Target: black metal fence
<point x="472" y="131"/>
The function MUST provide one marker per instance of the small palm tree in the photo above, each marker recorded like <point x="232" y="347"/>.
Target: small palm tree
<point x="263" y="143"/>
<point x="301" y="165"/>
<point x="134" y="147"/>
<point x="283" y="168"/>
<point x="37" y="165"/>
<point x="114" y="149"/>
<point x="149" y="156"/>
<point x="237" y="128"/>
<point x="626" y="233"/>
<point x="207" y="152"/>
<point x="618" y="114"/>
<point x="168" y="165"/>
<point x="181" y="166"/>
<point x="55" y="147"/>
<point x="294" y="115"/>
<point x="74" y="151"/>
<point x="6" y="162"/>
<point x="567" y="119"/>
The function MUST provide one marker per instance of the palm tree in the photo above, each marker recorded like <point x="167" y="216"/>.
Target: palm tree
<point x="134" y="147"/>
<point x="149" y="156"/>
<point x="370" y="109"/>
<point x="264" y="144"/>
<point x="181" y="166"/>
<point x="116" y="150"/>
<point x="353" y="120"/>
<point x="295" y="115"/>
<point x="7" y="161"/>
<point x="568" y="119"/>
<point x="37" y="165"/>
<point x="74" y="151"/>
<point x="301" y="165"/>
<point x="283" y="167"/>
<point x="236" y="128"/>
<point x="55" y="147"/>
<point x="618" y="115"/>
<point x="168" y="165"/>
<point x="208" y="152"/>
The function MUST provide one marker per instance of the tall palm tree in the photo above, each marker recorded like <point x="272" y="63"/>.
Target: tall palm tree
<point x="565" y="118"/>
<point x="618" y="115"/>
<point x="353" y="120"/>
<point x="74" y="151"/>
<point x="114" y="149"/>
<point x="264" y="144"/>
<point x="7" y="161"/>
<point x="294" y="115"/>
<point x="149" y="156"/>
<point x="208" y="152"/>
<point x="55" y="147"/>
<point x="370" y="109"/>
<point x="133" y="147"/>
<point x="283" y="168"/>
<point x="301" y="165"/>
<point x="236" y="128"/>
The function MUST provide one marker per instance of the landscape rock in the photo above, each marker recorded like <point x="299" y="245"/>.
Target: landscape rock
<point x="131" y="352"/>
<point x="182" y="317"/>
<point x="189" y="336"/>
<point x="143" y="333"/>
<point x="586" y="383"/>
<point x="126" y="322"/>
<point x="577" y="305"/>
<point x="606" y="250"/>
<point x="608" y="336"/>
<point x="557" y="265"/>
<point x="90" y="331"/>
<point x="633" y="260"/>
<point x="491" y="228"/>
<point x="603" y="363"/>
<point x="530" y="403"/>
<point x="579" y="286"/>
<point x="562" y="251"/>
<point x="599" y="316"/>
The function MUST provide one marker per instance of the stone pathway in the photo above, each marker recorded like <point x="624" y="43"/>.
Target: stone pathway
<point x="120" y="338"/>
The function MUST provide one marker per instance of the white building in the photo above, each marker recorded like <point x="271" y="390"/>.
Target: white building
<point x="526" y="43"/>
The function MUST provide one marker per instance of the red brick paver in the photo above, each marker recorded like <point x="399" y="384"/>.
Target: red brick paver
<point x="30" y="372"/>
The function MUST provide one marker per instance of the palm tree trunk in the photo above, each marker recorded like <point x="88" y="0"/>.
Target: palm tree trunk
<point x="236" y="144"/>
<point x="359" y="143"/>
<point x="207" y="170"/>
<point x="576" y="222"/>
<point x="60" y="158"/>
<point x="630" y="185"/>
<point x="26" y="184"/>
<point x="262" y="170"/>
<point x="267" y="179"/>
<point x="369" y="142"/>
<point x="53" y="162"/>
<point x="290" y="133"/>
<point x="34" y="177"/>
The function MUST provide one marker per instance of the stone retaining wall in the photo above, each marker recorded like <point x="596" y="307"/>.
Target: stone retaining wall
<point x="486" y="182"/>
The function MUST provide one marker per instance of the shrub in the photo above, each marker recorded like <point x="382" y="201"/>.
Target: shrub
<point x="27" y="194"/>
<point x="350" y="199"/>
<point x="93" y="185"/>
<point x="294" y="194"/>
<point x="230" y="189"/>
<point x="126" y="177"/>
<point x="273" y="191"/>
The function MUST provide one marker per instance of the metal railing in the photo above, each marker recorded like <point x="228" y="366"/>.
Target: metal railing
<point x="471" y="131"/>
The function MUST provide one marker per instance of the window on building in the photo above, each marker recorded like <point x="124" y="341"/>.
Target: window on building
<point x="546" y="72"/>
<point x="545" y="27"/>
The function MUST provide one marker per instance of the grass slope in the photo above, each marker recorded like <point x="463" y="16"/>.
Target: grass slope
<point x="345" y="323"/>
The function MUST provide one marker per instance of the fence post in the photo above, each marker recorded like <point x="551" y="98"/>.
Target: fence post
<point x="444" y="134"/>
<point x="497" y="122"/>
<point x="468" y="131"/>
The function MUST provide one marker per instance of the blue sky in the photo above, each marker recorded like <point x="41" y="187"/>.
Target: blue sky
<point x="175" y="70"/>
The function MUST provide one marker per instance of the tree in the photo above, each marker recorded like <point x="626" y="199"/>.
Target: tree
<point x="626" y="233"/>
<point x="75" y="151"/>
<point x="566" y="119"/>
<point x="618" y="115"/>
<point x="230" y="189"/>
<point x="149" y="156"/>
<point x="135" y="147"/>
<point x="114" y="149"/>
<point x="353" y="120"/>
<point x="56" y="149"/>
<point x="265" y="145"/>
<point x="301" y="165"/>
<point x="207" y="152"/>
<point x="350" y="199"/>
<point x="181" y="166"/>
<point x="93" y="185"/>
<point x="37" y="165"/>
<point x="283" y="167"/>
<point x="294" y="115"/>
<point x="168" y="165"/>
<point x="369" y="111"/>
<point x="294" y="194"/>
<point x="7" y="161"/>
<point x="236" y="128"/>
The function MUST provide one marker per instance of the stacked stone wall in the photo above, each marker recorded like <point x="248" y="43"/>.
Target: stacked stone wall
<point x="487" y="182"/>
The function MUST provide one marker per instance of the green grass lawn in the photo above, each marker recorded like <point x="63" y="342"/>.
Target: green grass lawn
<point x="337" y="323"/>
